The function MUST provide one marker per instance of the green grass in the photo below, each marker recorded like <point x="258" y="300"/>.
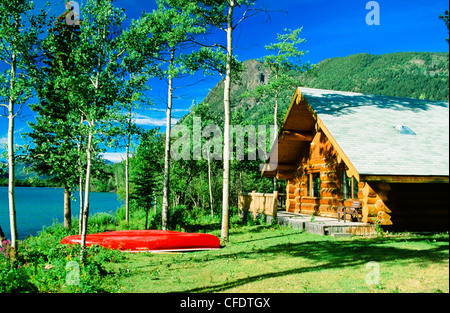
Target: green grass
<point x="259" y="258"/>
<point x="265" y="259"/>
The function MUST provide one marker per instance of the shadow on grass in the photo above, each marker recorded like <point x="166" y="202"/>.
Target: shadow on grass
<point x="201" y="228"/>
<point x="336" y="254"/>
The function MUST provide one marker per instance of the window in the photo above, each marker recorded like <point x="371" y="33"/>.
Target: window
<point x="346" y="186"/>
<point x="349" y="186"/>
<point x="316" y="185"/>
<point x="313" y="185"/>
<point x="355" y="188"/>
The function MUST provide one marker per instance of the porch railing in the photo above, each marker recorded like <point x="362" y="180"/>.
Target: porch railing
<point x="261" y="203"/>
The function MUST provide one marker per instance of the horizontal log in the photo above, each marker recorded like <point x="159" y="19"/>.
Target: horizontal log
<point x="379" y="204"/>
<point x="360" y="194"/>
<point x="386" y="222"/>
<point x="328" y="184"/>
<point x="328" y="201"/>
<point x="371" y="200"/>
<point x="309" y="200"/>
<point x="296" y="136"/>
<point x="329" y="192"/>
<point x="368" y="191"/>
<point x="291" y="188"/>
<point x="309" y="206"/>
<point x="383" y="216"/>
<point x="270" y="167"/>
<point x="285" y="175"/>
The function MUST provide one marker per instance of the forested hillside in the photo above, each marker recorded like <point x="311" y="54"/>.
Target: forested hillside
<point x="409" y="74"/>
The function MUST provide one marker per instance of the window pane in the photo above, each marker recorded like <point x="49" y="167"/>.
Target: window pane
<point x="308" y="185"/>
<point x="355" y="188"/>
<point x="316" y="184"/>
<point x="346" y="186"/>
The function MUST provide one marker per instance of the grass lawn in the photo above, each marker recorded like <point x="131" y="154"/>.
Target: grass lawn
<point x="266" y="259"/>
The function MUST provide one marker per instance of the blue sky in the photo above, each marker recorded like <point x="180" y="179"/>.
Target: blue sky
<point x="331" y="28"/>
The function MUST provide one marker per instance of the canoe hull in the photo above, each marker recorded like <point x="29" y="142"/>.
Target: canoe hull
<point x="148" y="240"/>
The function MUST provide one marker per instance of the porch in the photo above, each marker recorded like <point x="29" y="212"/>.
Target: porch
<point x="272" y="206"/>
<point x="322" y="225"/>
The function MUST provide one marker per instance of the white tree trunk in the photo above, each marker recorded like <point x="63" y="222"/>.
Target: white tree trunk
<point x="166" y="194"/>
<point x="11" y="159"/>
<point x="87" y="188"/>
<point x="67" y="208"/>
<point x="226" y="148"/>
<point x="127" y="181"/>
<point x="80" y="217"/>
<point x="275" y="124"/>
<point x="211" y="200"/>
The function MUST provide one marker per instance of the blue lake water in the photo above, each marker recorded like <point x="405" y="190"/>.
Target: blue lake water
<point x="39" y="207"/>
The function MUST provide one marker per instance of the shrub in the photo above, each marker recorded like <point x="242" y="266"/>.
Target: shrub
<point x="44" y="265"/>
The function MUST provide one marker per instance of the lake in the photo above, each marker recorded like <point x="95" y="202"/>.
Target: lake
<point x="39" y="207"/>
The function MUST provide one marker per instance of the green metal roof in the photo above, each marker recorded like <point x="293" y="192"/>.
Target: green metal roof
<point x="386" y="135"/>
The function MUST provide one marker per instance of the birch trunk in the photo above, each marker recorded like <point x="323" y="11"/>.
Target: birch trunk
<point x="80" y="181"/>
<point x="127" y="181"/>
<point x="80" y="193"/>
<point x="87" y="189"/>
<point x="211" y="200"/>
<point x="275" y="124"/>
<point x="67" y="208"/>
<point x="226" y="149"/>
<point x="165" y="201"/>
<point x="11" y="158"/>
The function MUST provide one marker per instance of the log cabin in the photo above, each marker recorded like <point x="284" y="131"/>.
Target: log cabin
<point x="390" y="154"/>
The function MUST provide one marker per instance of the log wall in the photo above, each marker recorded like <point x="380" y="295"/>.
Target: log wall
<point x="323" y="158"/>
<point x="398" y="206"/>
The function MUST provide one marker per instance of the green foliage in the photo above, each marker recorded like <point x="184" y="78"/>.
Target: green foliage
<point x="42" y="265"/>
<point x="147" y="166"/>
<point x="408" y="74"/>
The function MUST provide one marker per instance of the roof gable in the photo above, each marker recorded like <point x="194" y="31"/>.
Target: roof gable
<point x="366" y="127"/>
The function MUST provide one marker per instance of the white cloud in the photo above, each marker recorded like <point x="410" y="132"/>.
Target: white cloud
<point x="173" y="110"/>
<point x="151" y="121"/>
<point x="115" y="157"/>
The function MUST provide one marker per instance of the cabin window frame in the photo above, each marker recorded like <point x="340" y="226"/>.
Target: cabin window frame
<point x="313" y="185"/>
<point x="349" y="186"/>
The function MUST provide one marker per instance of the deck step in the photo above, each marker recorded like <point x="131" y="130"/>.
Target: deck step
<point x="342" y="235"/>
<point x="323" y="225"/>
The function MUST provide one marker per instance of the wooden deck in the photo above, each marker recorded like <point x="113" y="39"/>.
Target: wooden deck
<point x="323" y="225"/>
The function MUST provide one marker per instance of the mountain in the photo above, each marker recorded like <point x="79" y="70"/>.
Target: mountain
<point x="407" y="74"/>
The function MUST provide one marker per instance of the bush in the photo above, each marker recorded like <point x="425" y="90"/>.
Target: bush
<point x="44" y="265"/>
<point x="177" y="217"/>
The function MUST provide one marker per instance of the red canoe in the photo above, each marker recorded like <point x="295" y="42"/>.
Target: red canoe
<point x="148" y="240"/>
